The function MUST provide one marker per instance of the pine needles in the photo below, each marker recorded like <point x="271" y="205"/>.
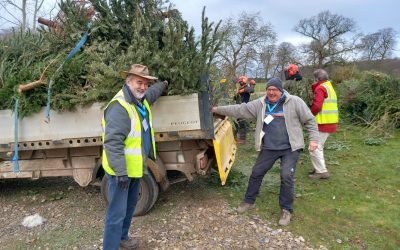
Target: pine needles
<point x="373" y="100"/>
<point x="123" y="32"/>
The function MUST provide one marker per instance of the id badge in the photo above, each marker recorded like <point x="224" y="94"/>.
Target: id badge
<point x="268" y="119"/>
<point x="145" y="125"/>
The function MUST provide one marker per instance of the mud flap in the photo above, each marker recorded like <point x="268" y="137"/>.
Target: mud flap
<point x="224" y="148"/>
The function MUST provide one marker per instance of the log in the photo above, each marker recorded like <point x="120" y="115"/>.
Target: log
<point x="31" y="85"/>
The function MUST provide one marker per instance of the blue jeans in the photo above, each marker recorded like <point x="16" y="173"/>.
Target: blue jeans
<point x="121" y="205"/>
<point x="264" y="163"/>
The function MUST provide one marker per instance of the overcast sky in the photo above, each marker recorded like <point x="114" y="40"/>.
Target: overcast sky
<point x="369" y="15"/>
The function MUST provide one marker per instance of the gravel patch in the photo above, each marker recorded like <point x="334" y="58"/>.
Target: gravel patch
<point x="187" y="216"/>
<point x="212" y="224"/>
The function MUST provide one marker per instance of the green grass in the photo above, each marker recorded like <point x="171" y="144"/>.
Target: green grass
<point x="260" y="87"/>
<point x="58" y="238"/>
<point x="358" y="206"/>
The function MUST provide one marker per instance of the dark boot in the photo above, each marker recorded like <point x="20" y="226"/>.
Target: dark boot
<point x="129" y="244"/>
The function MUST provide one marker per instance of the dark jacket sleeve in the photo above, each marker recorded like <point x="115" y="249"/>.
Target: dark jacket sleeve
<point x="118" y="126"/>
<point x="249" y="88"/>
<point x="155" y="91"/>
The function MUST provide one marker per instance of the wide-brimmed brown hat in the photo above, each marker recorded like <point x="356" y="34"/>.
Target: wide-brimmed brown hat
<point x="139" y="70"/>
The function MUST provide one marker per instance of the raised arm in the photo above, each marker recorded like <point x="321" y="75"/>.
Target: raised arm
<point x="155" y="91"/>
<point x="244" y="110"/>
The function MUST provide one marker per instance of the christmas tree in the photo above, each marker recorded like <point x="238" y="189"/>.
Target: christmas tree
<point x="121" y="33"/>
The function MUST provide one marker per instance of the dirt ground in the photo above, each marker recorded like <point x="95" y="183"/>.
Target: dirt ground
<point x="187" y="216"/>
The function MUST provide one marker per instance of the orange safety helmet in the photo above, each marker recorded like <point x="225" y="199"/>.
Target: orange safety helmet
<point x="292" y="69"/>
<point x="292" y="73"/>
<point x="242" y="80"/>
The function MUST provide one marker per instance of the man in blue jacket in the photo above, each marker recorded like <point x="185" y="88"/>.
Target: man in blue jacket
<point x="128" y="141"/>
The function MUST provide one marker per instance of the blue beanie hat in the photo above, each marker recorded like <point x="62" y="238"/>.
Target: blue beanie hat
<point x="276" y="82"/>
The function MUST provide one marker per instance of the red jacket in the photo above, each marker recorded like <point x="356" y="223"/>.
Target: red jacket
<point x="320" y="94"/>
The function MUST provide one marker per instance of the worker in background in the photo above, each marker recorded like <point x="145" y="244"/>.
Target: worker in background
<point x="325" y="109"/>
<point x="245" y="89"/>
<point x="292" y="73"/>
<point x="128" y="141"/>
<point x="280" y="118"/>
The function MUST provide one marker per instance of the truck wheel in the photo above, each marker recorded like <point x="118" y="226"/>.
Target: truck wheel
<point x="148" y="194"/>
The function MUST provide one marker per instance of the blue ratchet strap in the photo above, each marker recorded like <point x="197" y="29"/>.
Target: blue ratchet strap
<point x="47" y="120"/>
<point x="15" y="157"/>
<point x="78" y="46"/>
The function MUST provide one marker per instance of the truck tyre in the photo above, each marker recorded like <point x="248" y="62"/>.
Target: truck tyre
<point x="148" y="193"/>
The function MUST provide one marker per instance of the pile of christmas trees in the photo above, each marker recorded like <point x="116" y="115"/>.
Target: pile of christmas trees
<point x="121" y="33"/>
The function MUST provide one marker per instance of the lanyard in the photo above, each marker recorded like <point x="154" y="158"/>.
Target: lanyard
<point x="272" y="108"/>
<point x="142" y="110"/>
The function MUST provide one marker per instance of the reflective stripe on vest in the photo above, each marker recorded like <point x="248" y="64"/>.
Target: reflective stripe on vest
<point x="133" y="142"/>
<point x="153" y="141"/>
<point x="329" y="113"/>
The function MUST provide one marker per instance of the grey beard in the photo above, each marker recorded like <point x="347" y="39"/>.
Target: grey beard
<point x="138" y="95"/>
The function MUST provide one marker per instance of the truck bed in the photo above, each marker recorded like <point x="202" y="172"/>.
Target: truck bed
<point x="70" y="145"/>
<point x="175" y="118"/>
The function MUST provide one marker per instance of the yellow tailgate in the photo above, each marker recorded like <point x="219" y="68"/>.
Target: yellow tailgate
<point x="225" y="148"/>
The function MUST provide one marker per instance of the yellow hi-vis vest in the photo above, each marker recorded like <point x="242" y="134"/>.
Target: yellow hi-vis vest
<point x="133" y="142"/>
<point x="329" y="113"/>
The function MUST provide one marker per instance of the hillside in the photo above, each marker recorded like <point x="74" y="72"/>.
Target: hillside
<point x="388" y="66"/>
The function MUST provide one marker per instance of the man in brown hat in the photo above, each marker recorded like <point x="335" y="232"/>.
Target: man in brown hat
<point x="128" y="141"/>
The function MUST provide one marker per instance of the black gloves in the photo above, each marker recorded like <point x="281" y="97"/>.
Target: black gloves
<point x="123" y="182"/>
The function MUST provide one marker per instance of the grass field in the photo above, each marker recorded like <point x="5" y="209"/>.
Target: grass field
<point x="357" y="208"/>
<point x="260" y="87"/>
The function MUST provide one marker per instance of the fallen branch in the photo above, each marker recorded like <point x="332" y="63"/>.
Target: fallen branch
<point x="42" y="80"/>
<point x="31" y="85"/>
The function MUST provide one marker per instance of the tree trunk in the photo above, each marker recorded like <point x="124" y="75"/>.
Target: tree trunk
<point x="23" y="12"/>
<point x="320" y="60"/>
<point x="35" y="10"/>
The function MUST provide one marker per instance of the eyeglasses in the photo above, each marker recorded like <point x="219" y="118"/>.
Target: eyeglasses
<point x="272" y="89"/>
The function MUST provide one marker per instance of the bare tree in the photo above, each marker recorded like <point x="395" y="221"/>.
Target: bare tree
<point x="18" y="12"/>
<point x="286" y="54"/>
<point x="379" y="45"/>
<point x="245" y="37"/>
<point x="266" y="59"/>
<point x="310" y="56"/>
<point x="327" y="32"/>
